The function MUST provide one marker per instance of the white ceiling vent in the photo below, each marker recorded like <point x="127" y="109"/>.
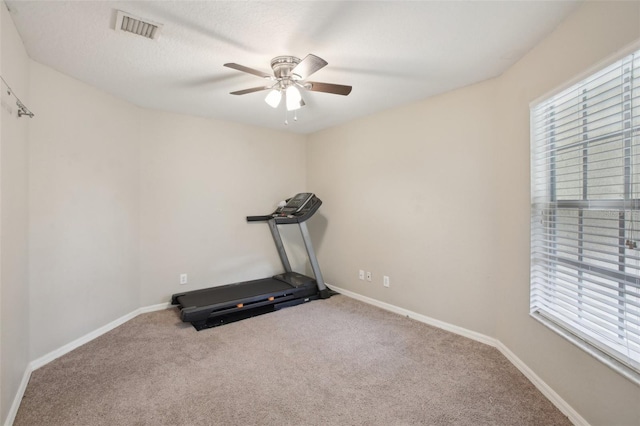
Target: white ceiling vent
<point x="132" y="24"/>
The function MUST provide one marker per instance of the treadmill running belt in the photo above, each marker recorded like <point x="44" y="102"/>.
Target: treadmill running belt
<point x="232" y="292"/>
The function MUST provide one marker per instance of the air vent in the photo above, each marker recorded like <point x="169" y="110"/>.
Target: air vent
<point x="132" y="24"/>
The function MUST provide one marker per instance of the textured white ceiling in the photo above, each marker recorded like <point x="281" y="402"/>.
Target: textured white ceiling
<point x="392" y="53"/>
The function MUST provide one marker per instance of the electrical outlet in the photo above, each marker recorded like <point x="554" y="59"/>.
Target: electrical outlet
<point x="385" y="281"/>
<point x="368" y="276"/>
<point x="183" y="279"/>
<point x="361" y="274"/>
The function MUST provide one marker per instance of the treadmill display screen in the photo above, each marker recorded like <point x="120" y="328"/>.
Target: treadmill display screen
<point x="297" y="202"/>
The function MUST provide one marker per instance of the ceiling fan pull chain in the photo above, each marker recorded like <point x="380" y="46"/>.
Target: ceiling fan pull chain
<point x="286" y="117"/>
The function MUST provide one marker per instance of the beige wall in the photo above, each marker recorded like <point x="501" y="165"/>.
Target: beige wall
<point x="402" y="199"/>
<point x="199" y="180"/>
<point x="84" y="209"/>
<point x="124" y="200"/>
<point x="436" y="195"/>
<point x="593" y="33"/>
<point x="14" y="292"/>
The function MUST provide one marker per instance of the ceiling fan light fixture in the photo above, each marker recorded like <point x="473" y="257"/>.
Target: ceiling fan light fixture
<point x="294" y="98"/>
<point x="289" y="76"/>
<point x="273" y="98"/>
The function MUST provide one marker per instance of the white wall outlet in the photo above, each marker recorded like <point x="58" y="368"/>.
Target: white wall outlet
<point x="183" y="279"/>
<point x="368" y="276"/>
<point x="385" y="281"/>
<point x="361" y="274"/>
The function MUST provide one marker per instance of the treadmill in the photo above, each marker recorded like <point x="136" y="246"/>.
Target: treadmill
<point x="211" y="307"/>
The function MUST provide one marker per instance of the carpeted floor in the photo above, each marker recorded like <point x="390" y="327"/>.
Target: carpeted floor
<point x="328" y="362"/>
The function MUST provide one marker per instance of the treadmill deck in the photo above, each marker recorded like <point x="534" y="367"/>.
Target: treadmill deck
<point x="227" y="294"/>
<point x="200" y="305"/>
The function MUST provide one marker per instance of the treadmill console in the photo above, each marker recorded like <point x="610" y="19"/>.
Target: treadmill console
<point x="297" y="209"/>
<point x="295" y="204"/>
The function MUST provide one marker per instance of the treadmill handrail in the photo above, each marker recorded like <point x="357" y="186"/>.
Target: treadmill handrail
<point x="263" y="218"/>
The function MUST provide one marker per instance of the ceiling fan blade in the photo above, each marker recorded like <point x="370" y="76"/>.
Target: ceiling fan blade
<point x="309" y="65"/>
<point x="336" y="89"/>
<point x="249" y="70"/>
<point x="253" y="89"/>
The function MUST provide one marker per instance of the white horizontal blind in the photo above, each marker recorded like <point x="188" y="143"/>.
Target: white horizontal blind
<point x="585" y="210"/>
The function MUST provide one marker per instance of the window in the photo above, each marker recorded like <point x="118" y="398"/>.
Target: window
<point x="585" y="213"/>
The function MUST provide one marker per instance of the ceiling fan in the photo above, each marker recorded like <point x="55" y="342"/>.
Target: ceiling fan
<point x="289" y="75"/>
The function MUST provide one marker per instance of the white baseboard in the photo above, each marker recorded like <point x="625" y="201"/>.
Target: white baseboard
<point x="546" y="390"/>
<point x="13" y="410"/>
<point x="418" y="317"/>
<point x="46" y="359"/>
<point x="153" y="308"/>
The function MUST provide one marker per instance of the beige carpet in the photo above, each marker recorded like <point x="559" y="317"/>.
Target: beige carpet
<point x="328" y="362"/>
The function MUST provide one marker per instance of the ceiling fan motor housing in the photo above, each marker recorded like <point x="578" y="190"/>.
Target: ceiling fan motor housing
<point x="282" y="66"/>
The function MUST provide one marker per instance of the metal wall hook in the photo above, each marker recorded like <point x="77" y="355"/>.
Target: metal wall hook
<point x="22" y="109"/>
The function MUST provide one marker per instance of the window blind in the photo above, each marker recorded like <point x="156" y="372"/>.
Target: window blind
<point x="585" y="210"/>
